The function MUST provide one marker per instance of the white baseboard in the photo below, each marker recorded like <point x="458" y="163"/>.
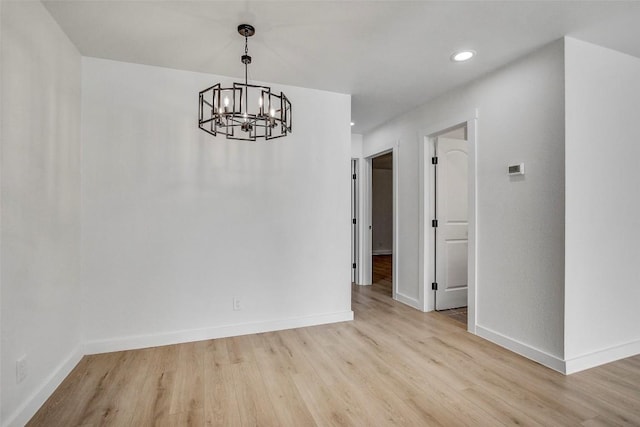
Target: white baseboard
<point x="381" y="252"/>
<point x="30" y="406"/>
<point x="411" y="302"/>
<point x="567" y="366"/>
<point x="177" y="337"/>
<point x="600" y="357"/>
<point x="522" y="349"/>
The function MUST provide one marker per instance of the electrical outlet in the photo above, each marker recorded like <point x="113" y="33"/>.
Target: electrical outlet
<point x="21" y="369"/>
<point x="236" y="304"/>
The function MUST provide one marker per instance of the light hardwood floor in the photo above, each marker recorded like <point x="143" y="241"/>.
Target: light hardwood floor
<point x="391" y="366"/>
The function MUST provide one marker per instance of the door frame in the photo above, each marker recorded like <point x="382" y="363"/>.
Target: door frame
<point x="427" y="211"/>
<point x="367" y="175"/>
<point x="355" y="215"/>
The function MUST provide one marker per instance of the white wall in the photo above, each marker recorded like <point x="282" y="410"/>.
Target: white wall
<point x="40" y="206"/>
<point x="356" y="146"/>
<point x="382" y="211"/>
<point x="520" y="228"/>
<point x="602" y="205"/>
<point x="176" y="223"/>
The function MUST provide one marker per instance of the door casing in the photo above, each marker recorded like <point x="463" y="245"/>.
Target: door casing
<point x="426" y="264"/>
<point x="355" y="227"/>
<point x="365" y="229"/>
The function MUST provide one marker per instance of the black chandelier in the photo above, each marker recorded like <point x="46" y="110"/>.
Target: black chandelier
<point x="244" y="112"/>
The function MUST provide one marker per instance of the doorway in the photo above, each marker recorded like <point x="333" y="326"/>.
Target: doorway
<point x="354" y="221"/>
<point x="448" y="216"/>
<point x="388" y="155"/>
<point x="451" y="223"/>
<point x="382" y="223"/>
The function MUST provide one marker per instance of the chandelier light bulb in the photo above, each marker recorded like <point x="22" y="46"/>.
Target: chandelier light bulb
<point x="226" y="101"/>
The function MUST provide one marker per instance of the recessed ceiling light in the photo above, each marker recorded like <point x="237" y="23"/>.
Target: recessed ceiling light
<point x="352" y="123"/>
<point x="463" y="55"/>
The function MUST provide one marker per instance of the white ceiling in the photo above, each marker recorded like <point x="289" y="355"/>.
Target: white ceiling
<point x="390" y="55"/>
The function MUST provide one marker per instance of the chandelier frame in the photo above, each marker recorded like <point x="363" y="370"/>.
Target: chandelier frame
<point x="227" y="110"/>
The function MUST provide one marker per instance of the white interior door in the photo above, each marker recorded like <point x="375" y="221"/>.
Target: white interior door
<point x="453" y="223"/>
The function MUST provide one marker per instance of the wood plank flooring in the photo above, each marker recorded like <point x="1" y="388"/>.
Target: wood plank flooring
<point x="457" y="314"/>
<point x="382" y="269"/>
<point x="391" y="366"/>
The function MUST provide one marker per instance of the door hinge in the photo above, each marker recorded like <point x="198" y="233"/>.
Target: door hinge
<point x="434" y="160"/>
<point x="353" y="221"/>
<point x="353" y="265"/>
<point x="434" y="223"/>
<point x="434" y="286"/>
<point x="353" y="176"/>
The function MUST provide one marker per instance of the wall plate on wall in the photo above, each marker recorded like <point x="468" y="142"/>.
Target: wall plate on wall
<point x="516" y="169"/>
